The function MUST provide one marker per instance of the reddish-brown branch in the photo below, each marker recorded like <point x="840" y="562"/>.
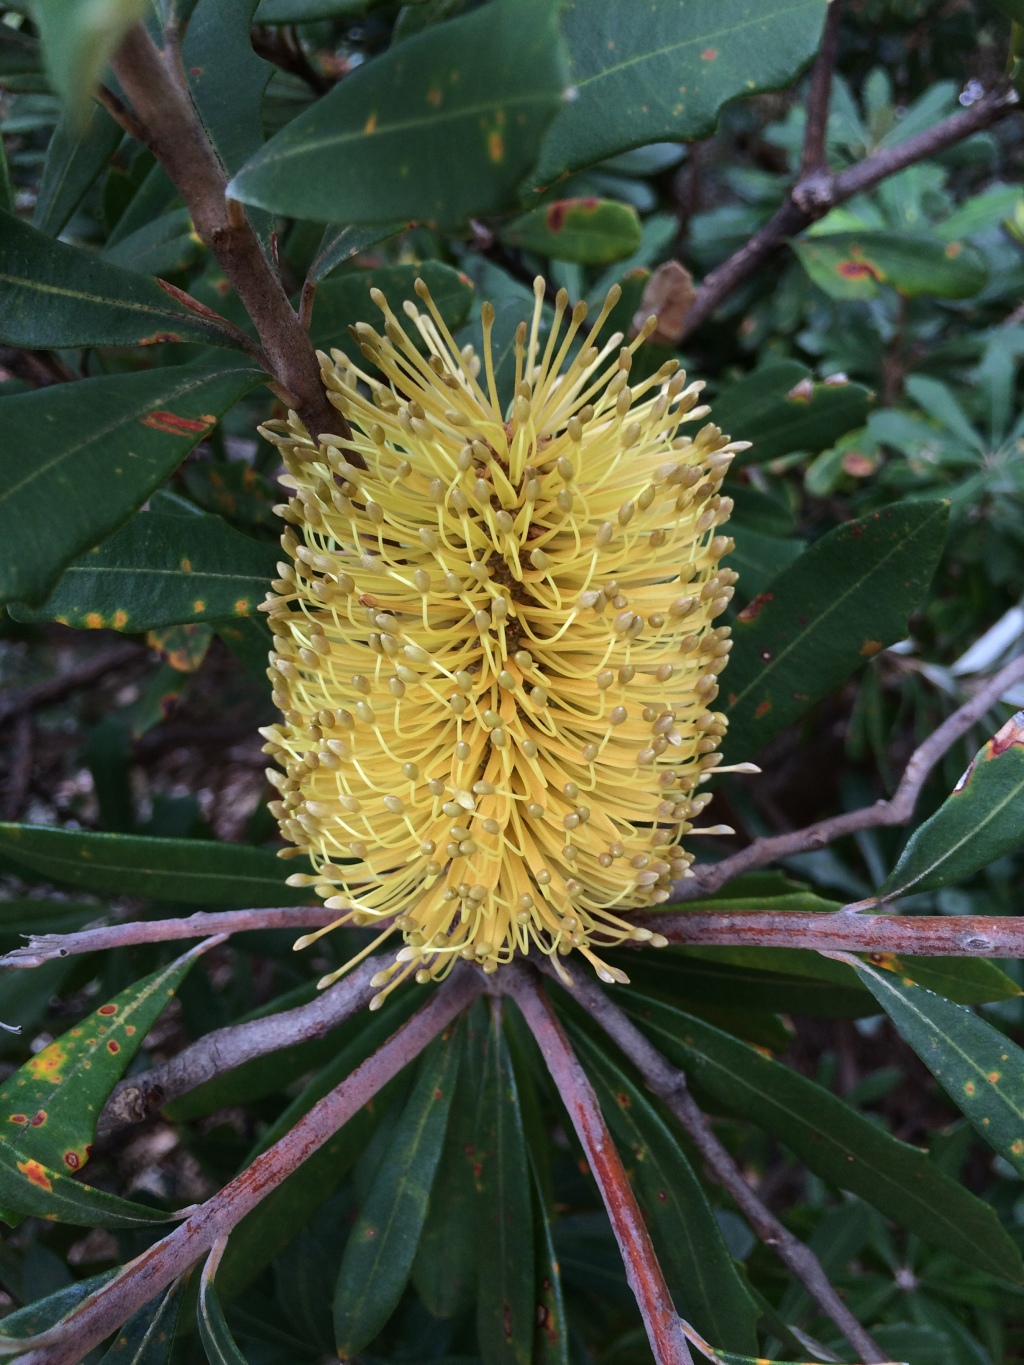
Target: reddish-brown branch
<point x="138" y="1096"/>
<point x="815" y="194"/>
<point x="669" y="1084"/>
<point x="708" y="877"/>
<point x="163" y="1262"/>
<point x="819" y="95"/>
<point x="45" y="947"/>
<point x="642" y="1269"/>
<point x="163" y="113"/>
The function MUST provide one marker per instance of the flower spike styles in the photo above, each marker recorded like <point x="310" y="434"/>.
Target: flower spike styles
<point x="495" y="649"/>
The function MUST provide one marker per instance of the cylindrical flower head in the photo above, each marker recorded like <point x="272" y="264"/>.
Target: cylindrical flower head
<point x="495" y="647"/>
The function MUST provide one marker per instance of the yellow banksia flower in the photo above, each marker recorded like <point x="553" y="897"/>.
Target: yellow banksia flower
<point x="495" y="650"/>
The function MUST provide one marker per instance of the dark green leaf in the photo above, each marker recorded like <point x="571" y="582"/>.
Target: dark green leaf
<point x="76" y="157"/>
<point x="28" y="1186"/>
<point x="96" y="449"/>
<point x="250" y="641"/>
<point x="758" y="558"/>
<point x="591" y="231"/>
<point x="487" y="83"/>
<point x="53" y="295"/>
<point x="505" y="1236"/>
<point x="851" y="265"/>
<point x="844" y="600"/>
<point x="226" y="77"/>
<point x="781" y="409"/>
<point x="32" y="916"/>
<point x="967" y="980"/>
<point x="340" y="244"/>
<point x="147" y="1338"/>
<point x="444" y="1271"/>
<point x="704" y="1285"/>
<point x="306" y="11"/>
<point x="982" y="820"/>
<point x="196" y="871"/>
<point x="382" y="1245"/>
<point x="164" y="246"/>
<point x="977" y="1066"/>
<point x="552" y="1341"/>
<point x="214" y="1332"/>
<point x="78" y="39"/>
<point x="49" y="1106"/>
<point x="837" y="1143"/>
<point x="657" y="72"/>
<point x="48" y="1312"/>
<point x="346" y="300"/>
<point x="156" y="571"/>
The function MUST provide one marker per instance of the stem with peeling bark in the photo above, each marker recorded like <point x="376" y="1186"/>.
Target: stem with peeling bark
<point x="642" y="1269"/>
<point x="669" y="1084"/>
<point x="143" y="1278"/>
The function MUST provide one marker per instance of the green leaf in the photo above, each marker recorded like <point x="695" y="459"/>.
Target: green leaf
<point x="214" y="1332"/>
<point x="53" y="295"/>
<point x="591" y="231"/>
<point x="967" y="980"/>
<point x="165" y="245"/>
<point x="835" y="1141"/>
<point x="79" y="37"/>
<point x="159" y="570"/>
<point x="49" y="1106"/>
<point x="980" y="1069"/>
<point x="48" y="1312"/>
<point x="758" y="558"/>
<point x="487" y="83"/>
<point x="305" y="11"/>
<point x="852" y="265"/>
<point x="147" y="1338"/>
<point x="196" y="871"/>
<point x="982" y="820"/>
<point x="32" y="916"/>
<point x="340" y="244"/>
<point x="76" y="157"/>
<point x="29" y="1187"/>
<point x="702" y="1280"/>
<point x="444" y="1271"/>
<point x="382" y="1245"/>
<point x="551" y="1346"/>
<point x="505" y="1236"/>
<point x="346" y="300"/>
<point x="267" y="1230"/>
<point x="226" y="77"/>
<point x="781" y="409"/>
<point x="844" y="600"/>
<point x="96" y="449"/>
<point x="661" y="72"/>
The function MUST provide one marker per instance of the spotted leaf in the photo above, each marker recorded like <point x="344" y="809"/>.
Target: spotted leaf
<point x="852" y="265"/>
<point x="29" y="1187"/>
<point x="591" y="231"/>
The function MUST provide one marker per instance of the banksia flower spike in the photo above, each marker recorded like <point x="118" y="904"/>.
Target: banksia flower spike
<point x="495" y="649"/>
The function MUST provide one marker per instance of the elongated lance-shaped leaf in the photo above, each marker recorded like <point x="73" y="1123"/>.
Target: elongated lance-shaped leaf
<point x="505" y="1237"/>
<point x="342" y="243"/>
<point x="781" y="408"/>
<point x="843" y="601"/>
<point x="96" y="450"/>
<point x="488" y="82"/>
<point x="552" y="1341"/>
<point x="852" y="265"/>
<point x="980" y="1069"/>
<point x="444" y="1271"/>
<point x="54" y="295"/>
<point x="49" y="1311"/>
<point x="78" y="39"/>
<point x="161" y="570"/>
<point x="28" y="1186"/>
<point x="665" y="70"/>
<point x="76" y="157"/>
<point x="49" y="1107"/>
<point x="836" y="1142"/>
<point x="214" y="1332"/>
<point x="982" y="820"/>
<point x="196" y="871"/>
<point x="382" y="1244"/>
<point x="591" y="231"/>
<point x="705" y="1287"/>
<point x="147" y="1338"/>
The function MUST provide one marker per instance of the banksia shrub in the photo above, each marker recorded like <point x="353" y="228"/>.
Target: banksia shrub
<point x="495" y="650"/>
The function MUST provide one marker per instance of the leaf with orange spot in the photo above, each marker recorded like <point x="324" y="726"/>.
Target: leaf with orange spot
<point x="590" y="231"/>
<point x="852" y="265"/>
<point x="30" y="1188"/>
<point x="63" y="1088"/>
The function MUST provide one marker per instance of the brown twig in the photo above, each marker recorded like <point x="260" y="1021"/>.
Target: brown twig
<point x="143" y="1278"/>
<point x="669" y="1084"/>
<point x="42" y="948"/>
<point x="38" y="368"/>
<point x="642" y="1269"/>
<point x="708" y="877"/>
<point x="166" y="118"/>
<point x="136" y="1097"/>
<point x="15" y="701"/>
<point x="819" y="95"/>
<point x="284" y="48"/>
<point x="815" y="194"/>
